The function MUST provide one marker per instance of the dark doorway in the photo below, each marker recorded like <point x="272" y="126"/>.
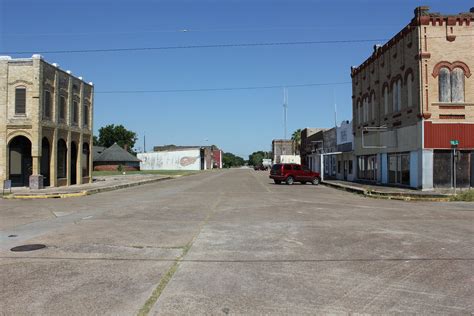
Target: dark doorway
<point x="21" y="164"/>
<point x="85" y="160"/>
<point x="45" y="161"/>
<point x="442" y="168"/>
<point x="73" y="163"/>
<point x="61" y="163"/>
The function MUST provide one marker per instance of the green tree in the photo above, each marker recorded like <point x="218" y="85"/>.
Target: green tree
<point x="111" y="134"/>
<point x="256" y="158"/>
<point x="296" y="138"/>
<point x="230" y="160"/>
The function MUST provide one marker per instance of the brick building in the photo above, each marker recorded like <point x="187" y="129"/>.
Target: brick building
<point x="411" y="97"/>
<point x="45" y="124"/>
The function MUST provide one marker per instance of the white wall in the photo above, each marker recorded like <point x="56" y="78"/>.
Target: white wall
<point x="290" y="159"/>
<point x="171" y="160"/>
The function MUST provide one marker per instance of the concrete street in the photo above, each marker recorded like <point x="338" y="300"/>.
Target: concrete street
<point x="232" y="242"/>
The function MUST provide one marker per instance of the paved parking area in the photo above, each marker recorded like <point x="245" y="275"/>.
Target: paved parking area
<point x="231" y="242"/>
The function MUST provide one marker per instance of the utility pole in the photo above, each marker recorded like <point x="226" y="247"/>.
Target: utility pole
<point x="144" y="143"/>
<point x="285" y="107"/>
<point x="335" y="107"/>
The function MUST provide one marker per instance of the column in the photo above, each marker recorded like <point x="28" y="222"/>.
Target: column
<point x="79" y="160"/>
<point x="53" y="163"/>
<point x="68" y="158"/>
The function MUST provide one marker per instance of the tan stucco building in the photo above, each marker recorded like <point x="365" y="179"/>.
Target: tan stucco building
<point x="46" y="117"/>
<point x="411" y="97"/>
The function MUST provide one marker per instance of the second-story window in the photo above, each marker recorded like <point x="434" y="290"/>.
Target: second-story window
<point x="385" y="100"/>
<point x="451" y="85"/>
<point x="20" y="100"/>
<point x="409" y="84"/>
<point x="397" y="95"/>
<point x="75" y="113"/>
<point x="86" y="115"/>
<point x="47" y="105"/>
<point x="62" y="108"/>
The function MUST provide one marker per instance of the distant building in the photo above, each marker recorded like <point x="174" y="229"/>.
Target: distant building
<point x="282" y="147"/>
<point x="411" y="97"/>
<point x="172" y="157"/>
<point x="309" y="140"/>
<point x="217" y="158"/>
<point x="345" y="158"/>
<point x="46" y="117"/>
<point x="114" y="158"/>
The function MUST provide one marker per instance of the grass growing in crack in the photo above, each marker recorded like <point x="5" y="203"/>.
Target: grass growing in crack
<point x="150" y="302"/>
<point x="467" y="196"/>
<point x="157" y="291"/>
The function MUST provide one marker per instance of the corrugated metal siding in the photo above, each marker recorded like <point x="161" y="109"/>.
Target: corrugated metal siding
<point x="440" y="135"/>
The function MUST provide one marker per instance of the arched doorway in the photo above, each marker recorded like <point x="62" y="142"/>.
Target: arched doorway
<point x="21" y="164"/>
<point x="62" y="160"/>
<point x="85" y="160"/>
<point x="45" y="161"/>
<point x="73" y="163"/>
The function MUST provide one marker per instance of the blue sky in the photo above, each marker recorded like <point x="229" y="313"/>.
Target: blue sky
<point x="239" y="121"/>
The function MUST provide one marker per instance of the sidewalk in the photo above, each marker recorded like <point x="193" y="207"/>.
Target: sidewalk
<point x="381" y="191"/>
<point x="100" y="184"/>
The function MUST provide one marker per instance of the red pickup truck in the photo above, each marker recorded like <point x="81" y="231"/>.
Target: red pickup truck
<point x="290" y="173"/>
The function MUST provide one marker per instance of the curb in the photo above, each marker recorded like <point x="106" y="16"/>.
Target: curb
<point x="389" y="195"/>
<point x="84" y="192"/>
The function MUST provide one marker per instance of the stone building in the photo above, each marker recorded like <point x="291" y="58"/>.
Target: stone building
<point x="45" y="124"/>
<point x="282" y="147"/>
<point x="411" y="97"/>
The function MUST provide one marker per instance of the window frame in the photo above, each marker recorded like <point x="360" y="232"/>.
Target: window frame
<point x="16" y="101"/>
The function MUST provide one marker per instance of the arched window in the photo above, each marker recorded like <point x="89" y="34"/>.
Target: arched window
<point x="62" y="108"/>
<point x="47" y="104"/>
<point x="444" y="85"/>
<point x="20" y="100"/>
<point x="372" y="105"/>
<point x="457" y="85"/>
<point x="365" y="106"/>
<point x="409" y="83"/>
<point x="397" y="95"/>
<point x="385" y="100"/>
<point x="359" y="112"/>
<point x="451" y="84"/>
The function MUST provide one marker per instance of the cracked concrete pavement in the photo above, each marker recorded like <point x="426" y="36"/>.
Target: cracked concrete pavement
<point x="244" y="245"/>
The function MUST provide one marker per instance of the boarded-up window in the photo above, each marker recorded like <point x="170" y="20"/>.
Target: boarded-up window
<point x="75" y="112"/>
<point x="457" y="85"/>
<point x="444" y="85"/>
<point x="62" y="108"/>
<point x="20" y="100"/>
<point x="47" y="104"/>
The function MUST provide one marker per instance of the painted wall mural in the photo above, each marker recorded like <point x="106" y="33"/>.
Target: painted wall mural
<point x="171" y="160"/>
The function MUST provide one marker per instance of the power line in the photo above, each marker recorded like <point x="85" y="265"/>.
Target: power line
<point x="231" y="45"/>
<point x="131" y="49"/>
<point x="224" y="89"/>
